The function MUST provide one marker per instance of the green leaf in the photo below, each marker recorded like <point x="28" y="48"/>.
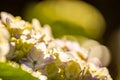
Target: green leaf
<point x="61" y="28"/>
<point x="79" y="13"/>
<point x="8" y="72"/>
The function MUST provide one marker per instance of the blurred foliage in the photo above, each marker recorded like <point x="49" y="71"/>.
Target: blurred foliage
<point x="68" y="17"/>
<point x="8" y="72"/>
<point x="114" y="45"/>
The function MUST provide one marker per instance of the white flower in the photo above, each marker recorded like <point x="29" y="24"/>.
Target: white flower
<point x="13" y="22"/>
<point x="101" y="52"/>
<point x="4" y="48"/>
<point x="4" y="42"/>
<point x="5" y="16"/>
<point x="46" y="30"/>
<point x="69" y="46"/>
<point x="17" y="24"/>
<point x="38" y="58"/>
<point x="30" y="36"/>
<point x="65" y="57"/>
<point x="36" y="25"/>
<point x="4" y="31"/>
<point x="75" y="47"/>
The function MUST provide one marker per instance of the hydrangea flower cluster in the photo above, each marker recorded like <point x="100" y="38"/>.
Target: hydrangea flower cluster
<point x="38" y="52"/>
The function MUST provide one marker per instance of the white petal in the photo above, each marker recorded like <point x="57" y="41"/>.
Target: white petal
<point x="36" y="25"/>
<point x="101" y="52"/>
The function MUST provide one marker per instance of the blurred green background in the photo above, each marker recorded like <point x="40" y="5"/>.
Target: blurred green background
<point x="110" y="9"/>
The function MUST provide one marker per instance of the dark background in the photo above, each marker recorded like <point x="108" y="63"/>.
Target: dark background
<point x="109" y="8"/>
